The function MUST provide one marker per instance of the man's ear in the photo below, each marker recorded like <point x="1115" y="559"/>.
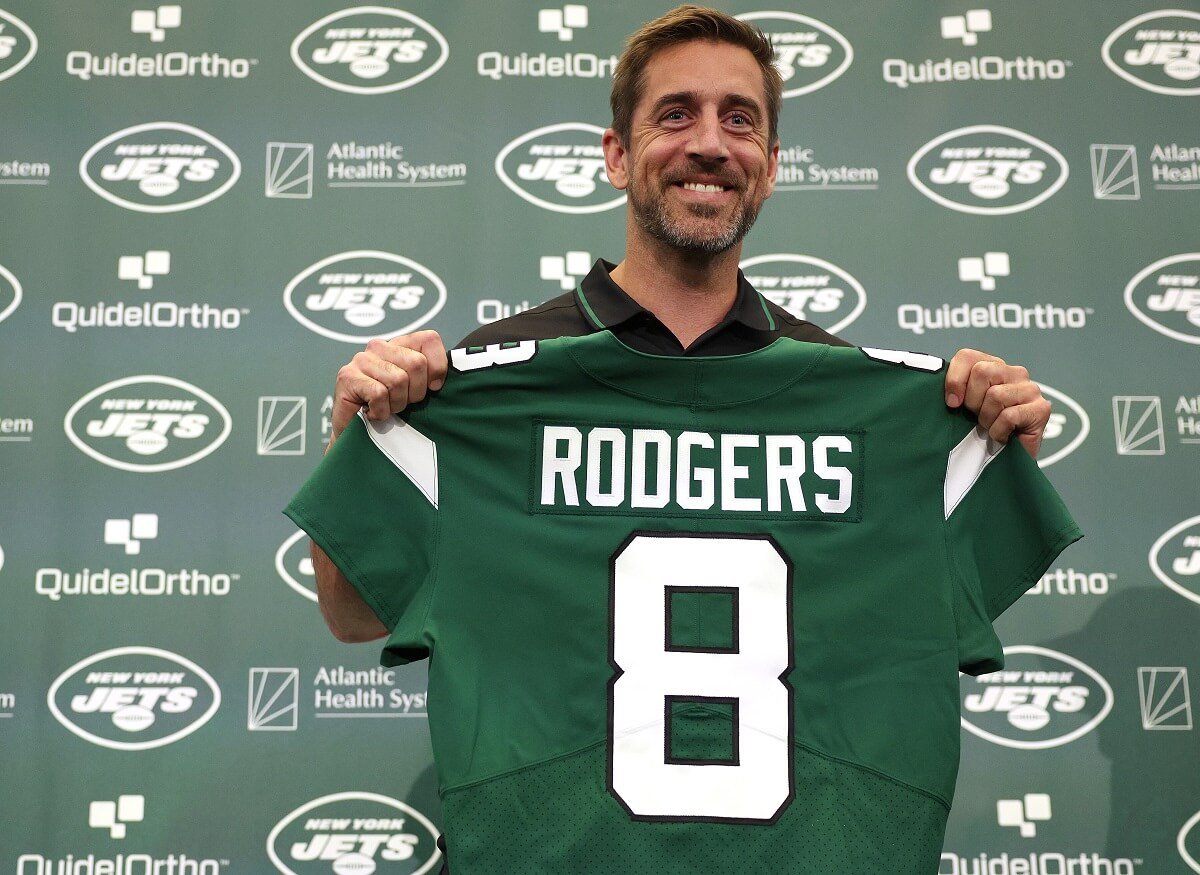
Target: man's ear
<point x="615" y="155"/>
<point x="772" y="167"/>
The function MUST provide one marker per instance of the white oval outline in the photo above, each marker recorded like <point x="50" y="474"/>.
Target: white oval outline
<point x="157" y="466"/>
<point x="1141" y="275"/>
<point x="366" y="89"/>
<point x="1070" y="736"/>
<point x="1106" y="55"/>
<point x="33" y="45"/>
<point x="363" y="253"/>
<point x="341" y="797"/>
<point x="168" y="208"/>
<point x="811" y="22"/>
<point x="1183" y="852"/>
<point x="8" y="275"/>
<point x="135" y="745"/>
<point x="534" y="199"/>
<point x="987" y="211"/>
<point x="825" y="265"/>
<point x="1078" y="410"/>
<point x="1152" y="556"/>
<point x="279" y="567"/>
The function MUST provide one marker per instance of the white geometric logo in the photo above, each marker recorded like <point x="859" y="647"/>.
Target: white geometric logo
<point x="984" y="270"/>
<point x="142" y="269"/>
<point x="1138" y="423"/>
<point x="156" y="23"/>
<point x="1115" y="173"/>
<point x="113" y="816"/>
<point x="1165" y="698"/>
<point x="129" y="533"/>
<point x="1025" y="813"/>
<point x="565" y="270"/>
<point x="966" y="27"/>
<point x="281" y="425"/>
<point x="564" y="22"/>
<point x="274" y="699"/>
<point x="289" y="170"/>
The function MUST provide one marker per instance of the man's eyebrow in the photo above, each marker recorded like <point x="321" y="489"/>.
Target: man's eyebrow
<point x="688" y="97"/>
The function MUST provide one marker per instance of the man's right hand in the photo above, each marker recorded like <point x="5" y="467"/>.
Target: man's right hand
<point x="387" y="376"/>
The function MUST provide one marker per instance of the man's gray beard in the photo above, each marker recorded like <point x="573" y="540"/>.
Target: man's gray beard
<point x="653" y="217"/>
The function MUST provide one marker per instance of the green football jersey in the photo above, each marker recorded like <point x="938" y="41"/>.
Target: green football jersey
<point x="688" y="614"/>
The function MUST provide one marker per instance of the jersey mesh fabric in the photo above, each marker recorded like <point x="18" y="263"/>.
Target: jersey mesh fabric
<point x="558" y="817"/>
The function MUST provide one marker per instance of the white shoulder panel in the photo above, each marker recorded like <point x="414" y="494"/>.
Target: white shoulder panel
<point x="916" y="360"/>
<point x="409" y="450"/>
<point x="965" y="464"/>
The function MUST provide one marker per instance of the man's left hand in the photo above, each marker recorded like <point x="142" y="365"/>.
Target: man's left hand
<point x="1002" y="397"/>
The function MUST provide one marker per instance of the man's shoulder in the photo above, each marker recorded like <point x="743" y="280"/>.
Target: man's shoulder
<point x="558" y="317"/>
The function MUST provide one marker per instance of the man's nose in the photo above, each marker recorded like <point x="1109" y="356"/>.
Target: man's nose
<point x="708" y="138"/>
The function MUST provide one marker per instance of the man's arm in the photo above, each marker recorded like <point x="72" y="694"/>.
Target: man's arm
<point x="1002" y="397"/>
<point x="384" y="378"/>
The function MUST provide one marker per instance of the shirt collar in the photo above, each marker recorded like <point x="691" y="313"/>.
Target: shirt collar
<point x="604" y="304"/>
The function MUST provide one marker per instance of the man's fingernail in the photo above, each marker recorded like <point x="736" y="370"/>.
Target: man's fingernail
<point x="952" y="400"/>
<point x="436" y="384"/>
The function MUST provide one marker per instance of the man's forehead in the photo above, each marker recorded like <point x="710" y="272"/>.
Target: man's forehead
<point x="703" y="69"/>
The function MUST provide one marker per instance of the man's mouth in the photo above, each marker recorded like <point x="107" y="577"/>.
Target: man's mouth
<point x="700" y="186"/>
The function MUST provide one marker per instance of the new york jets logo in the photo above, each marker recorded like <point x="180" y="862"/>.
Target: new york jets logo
<point x="1166" y="296"/>
<point x="1040" y="699"/>
<point x="160" y="167"/>
<point x="1188" y="842"/>
<point x="294" y="564"/>
<point x="807" y="287"/>
<point x="809" y="54"/>
<point x="1157" y="51"/>
<point x="133" y="698"/>
<point x="355" y="296"/>
<point x="147" y="424"/>
<point x="1175" y="558"/>
<point x="18" y="45"/>
<point x="354" y="833"/>
<point x="559" y="168"/>
<point x="987" y="170"/>
<point x="1068" y="427"/>
<point x="370" y="50"/>
<point x="10" y="292"/>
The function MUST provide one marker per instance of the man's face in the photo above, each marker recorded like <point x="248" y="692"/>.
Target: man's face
<point x="699" y="162"/>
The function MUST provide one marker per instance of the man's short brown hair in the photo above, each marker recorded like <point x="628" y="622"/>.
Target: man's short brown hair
<point x="681" y="25"/>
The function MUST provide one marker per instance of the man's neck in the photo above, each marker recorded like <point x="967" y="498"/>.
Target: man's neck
<point x="689" y="294"/>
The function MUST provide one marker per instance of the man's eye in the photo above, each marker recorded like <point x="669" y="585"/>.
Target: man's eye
<point x="674" y="115"/>
<point x="740" y="120"/>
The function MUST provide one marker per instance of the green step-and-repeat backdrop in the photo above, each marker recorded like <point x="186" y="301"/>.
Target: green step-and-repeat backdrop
<point x="207" y="207"/>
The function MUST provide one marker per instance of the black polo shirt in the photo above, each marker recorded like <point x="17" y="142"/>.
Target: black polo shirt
<point x="599" y="303"/>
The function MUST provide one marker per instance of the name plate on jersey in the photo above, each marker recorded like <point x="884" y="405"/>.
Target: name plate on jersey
<point x="598" y="469"/>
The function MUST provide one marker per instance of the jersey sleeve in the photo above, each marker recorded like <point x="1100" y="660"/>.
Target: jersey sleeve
<point x="1005" y="525"/>
<point x="371" y="505"/>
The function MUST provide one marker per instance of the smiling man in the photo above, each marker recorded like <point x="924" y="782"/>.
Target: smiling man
<point x="694" y="143"/>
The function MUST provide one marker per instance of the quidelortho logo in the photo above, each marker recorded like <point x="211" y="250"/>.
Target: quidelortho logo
<point x="18" y="45"/>
<point x="1175" y="558"/>
<point x="559" y="168"/>
<point x="154" y="24"/>
<point x="809" y="54"/>
<point x="564" y="24"/>
<point x="147" y="423"/>
<point x="155" y="579"/>
<point x="1158" y="51"/>
<point x="807" y="287"/>
<point x="10" y="292"/>
<point x="360" y="295"/>
<point x="134" y="698"/>
<point x="1040" y="699"/>
<point x="987" y="170"/>
<point x="354" y="832"/>
<point x="370" y="50"/>
<point x="72" y="316"/>
<point x="1070" y="582"/>
<point x="160" y="167"/>
<point x="1068" y="427"/>
<point x="1166" y="296"/>
<point x="967" y="30"/>
<point x="294" y="565"/>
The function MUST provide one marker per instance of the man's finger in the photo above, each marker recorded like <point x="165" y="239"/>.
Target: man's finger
<point x="430" y="345"/>
<point x="1026" y="421"/>
<point x="985" y="374"/>
<point x="1004" y="395"/>
<point x="958" y="373"/>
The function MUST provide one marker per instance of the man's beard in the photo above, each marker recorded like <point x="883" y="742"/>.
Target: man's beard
<point x="654" y="217"/>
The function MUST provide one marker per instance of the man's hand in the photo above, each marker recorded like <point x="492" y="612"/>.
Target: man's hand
<point x="387" y="376"/>
<point x="1001" y="396"/>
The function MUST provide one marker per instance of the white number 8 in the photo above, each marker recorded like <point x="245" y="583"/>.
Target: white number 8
<point x="757" y="786"/>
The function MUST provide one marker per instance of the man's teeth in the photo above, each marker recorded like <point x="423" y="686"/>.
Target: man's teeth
<point x="695" y="186"/>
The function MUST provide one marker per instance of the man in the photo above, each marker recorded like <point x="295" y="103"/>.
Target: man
<point x="694" y="144"/>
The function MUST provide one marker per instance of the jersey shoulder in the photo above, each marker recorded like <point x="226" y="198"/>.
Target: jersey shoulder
<point x="558" y="317"/>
